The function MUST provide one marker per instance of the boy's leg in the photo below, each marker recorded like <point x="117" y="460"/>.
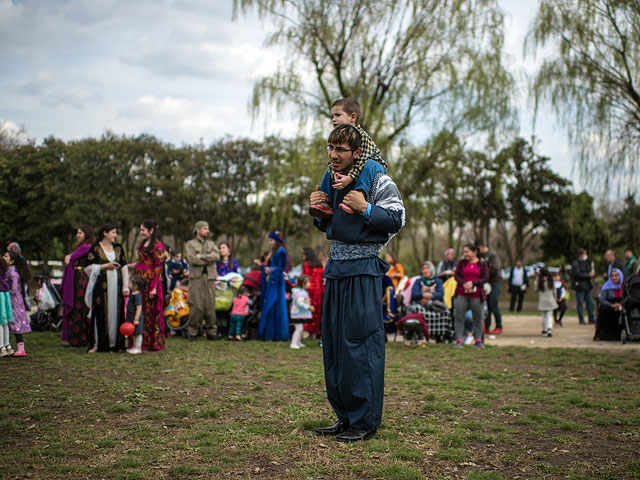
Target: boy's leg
<point x="323" y="210"/>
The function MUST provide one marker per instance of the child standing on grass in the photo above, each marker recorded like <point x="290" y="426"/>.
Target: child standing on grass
<point x="301" y="310"/>
<point x="134" y="312"/>
<point x="19" y="275"/>
<point x="239" y="310"/>
<point x="348" y="111"/>
<point x="561" y="298"/>
<point x="546" y="300"/>
<point x="6" y="311"/>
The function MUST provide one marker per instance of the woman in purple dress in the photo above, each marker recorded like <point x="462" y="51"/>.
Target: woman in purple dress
<point x="75" y="312"/>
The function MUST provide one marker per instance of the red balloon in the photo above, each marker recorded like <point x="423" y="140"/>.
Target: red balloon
<point x="127" y="328"/>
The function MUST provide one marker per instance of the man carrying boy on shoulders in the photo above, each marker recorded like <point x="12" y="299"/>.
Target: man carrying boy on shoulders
<point x="352" y="325"/>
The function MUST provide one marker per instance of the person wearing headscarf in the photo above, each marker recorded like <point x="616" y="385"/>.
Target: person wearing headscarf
<point x="202" y="255"/>
<point x="447" y="267"/>
<point x="428" y="287"/>
<point x="610" y="306"/>
<point x="274" y="317"/>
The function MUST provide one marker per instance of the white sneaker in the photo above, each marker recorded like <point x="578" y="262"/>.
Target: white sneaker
<point x="468" y="340"/>
<point x="134" y="350"/>
<point x="9" y="350"/>
<point x="3" y="352"/>
<point x="295" y="347"/>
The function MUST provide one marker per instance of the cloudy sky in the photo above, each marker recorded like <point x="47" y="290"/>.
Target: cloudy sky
<point x="181" y="70"/>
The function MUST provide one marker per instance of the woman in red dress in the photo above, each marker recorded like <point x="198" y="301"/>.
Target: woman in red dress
<point x="312" y="268"/>
<point x="149" y="267"/>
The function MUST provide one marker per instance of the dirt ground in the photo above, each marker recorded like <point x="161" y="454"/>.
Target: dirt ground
<point x="524" y="331"/>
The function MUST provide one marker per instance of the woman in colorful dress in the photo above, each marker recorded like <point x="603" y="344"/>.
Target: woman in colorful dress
<point x="226" y="263"/>
<point x="313" y="268"/>
<point x="106" y="267"/>
<point x="274" y="318"/>
<point x="75" y="312"/>
<point x="149" y="267"/>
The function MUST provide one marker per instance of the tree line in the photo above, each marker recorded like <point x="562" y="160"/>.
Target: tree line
<point x="246" y="188"/>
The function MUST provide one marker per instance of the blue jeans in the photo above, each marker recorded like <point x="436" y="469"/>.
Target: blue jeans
<point x="492" y="303"/>
<point x="581" y="296"/>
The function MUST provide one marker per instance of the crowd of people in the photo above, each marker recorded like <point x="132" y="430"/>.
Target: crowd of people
<point x="98" y="282"/>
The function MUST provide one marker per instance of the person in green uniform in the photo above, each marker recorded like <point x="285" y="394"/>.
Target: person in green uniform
<point x="202" y="255"/>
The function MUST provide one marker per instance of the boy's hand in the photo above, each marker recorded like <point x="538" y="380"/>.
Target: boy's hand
<point x="318" y="197"/>
<point x="341" y="181"/>
<point x="355" y="199"/>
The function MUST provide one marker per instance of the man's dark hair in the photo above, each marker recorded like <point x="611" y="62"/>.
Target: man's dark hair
<point x="581" y="251"/>
<point x="346" y="134"/>
<point x="349" y="105"/>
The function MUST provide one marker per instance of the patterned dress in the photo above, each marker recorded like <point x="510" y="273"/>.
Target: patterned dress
<point x="75" y="310"/>
<point x="316" y="291"/>
<point x="149" y="267"/>
<point x="104" y="321"/>
<point x="229" y="266"/>
<point x="20" y="323"/>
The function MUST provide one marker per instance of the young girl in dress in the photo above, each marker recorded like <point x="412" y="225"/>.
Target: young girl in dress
<point x="6" y="311"/>
<point x="301" y="310"/>
<point x="546" y="300"/>
<point x="19" y="276"/>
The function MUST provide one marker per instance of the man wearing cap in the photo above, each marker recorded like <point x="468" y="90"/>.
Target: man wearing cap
<point x="352" y="325"/>
<point x="201" y="256"/>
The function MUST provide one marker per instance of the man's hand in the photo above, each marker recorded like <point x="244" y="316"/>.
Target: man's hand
<point x="318" y="197"/>
<point x="341" y="181"/>
<point x="355" y="200"/>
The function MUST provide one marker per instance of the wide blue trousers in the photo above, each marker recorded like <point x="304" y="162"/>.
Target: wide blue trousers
<point x="353" y="349"/>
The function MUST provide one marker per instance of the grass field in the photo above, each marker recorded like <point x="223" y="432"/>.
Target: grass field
<point x="247" y="410"/>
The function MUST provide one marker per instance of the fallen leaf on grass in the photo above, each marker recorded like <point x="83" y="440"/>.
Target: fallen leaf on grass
<point x="322" y="445"/>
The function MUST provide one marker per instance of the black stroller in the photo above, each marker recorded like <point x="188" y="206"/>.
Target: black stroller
<point x="630" y="316"/>
<point x="48" y="299"/>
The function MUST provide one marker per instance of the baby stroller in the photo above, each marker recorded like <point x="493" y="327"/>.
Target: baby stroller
<point x="252" y="282"/>
<point x="226" y="288"/>
<point x="177" y="312"/>
<point x="48" y="300"/>
<point x="630" y="316"/>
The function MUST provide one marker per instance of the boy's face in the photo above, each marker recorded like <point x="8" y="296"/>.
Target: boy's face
<point x="340" y="117"/>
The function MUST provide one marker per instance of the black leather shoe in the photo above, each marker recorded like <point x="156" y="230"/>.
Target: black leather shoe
<point x="355" y="435"/>
<point x="213" y="338"/>
<point x="334" y="429"/>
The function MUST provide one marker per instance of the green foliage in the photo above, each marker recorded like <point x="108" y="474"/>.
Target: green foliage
<point x="592" y="80"/>
<point x="572" y="224"/>
<point x="403" y="61"/>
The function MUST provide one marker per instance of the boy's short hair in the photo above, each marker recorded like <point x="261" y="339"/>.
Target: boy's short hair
<point x="137" y="281"/>
<point x="348" y="134"/>
<point x="349" y="105"/>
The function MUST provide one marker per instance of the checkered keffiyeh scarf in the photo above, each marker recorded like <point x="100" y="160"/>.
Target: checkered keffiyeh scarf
<point x="370" y="151"/>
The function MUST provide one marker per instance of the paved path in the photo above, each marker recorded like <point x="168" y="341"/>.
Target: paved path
<point x="525" y="331"/>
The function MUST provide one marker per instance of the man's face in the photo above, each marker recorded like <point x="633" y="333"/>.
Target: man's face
<point x="203" y="232"/>
<point x="609" y="256"/>
<point x="628" y="254"/>
<point x="341" y="157"/>
<point x="340" y="117"/>
<point x="518" y="263"/>
<point x="483" y="249"/>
